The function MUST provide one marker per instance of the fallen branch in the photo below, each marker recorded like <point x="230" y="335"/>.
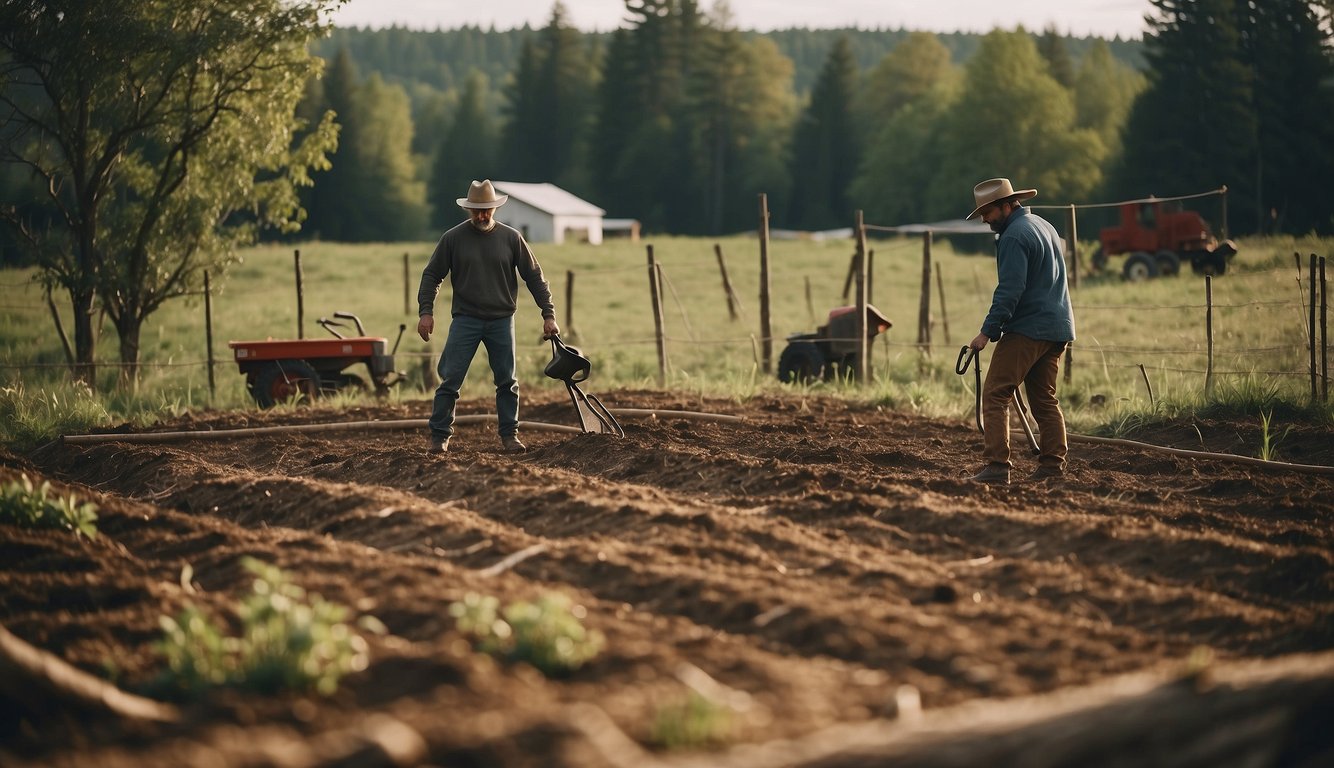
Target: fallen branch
<point x="29" y="674"/>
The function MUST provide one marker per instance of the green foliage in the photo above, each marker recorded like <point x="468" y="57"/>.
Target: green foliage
<point x="289" y="640"/>
<point x="27" y="506"/>
<point x="913" y="69"/>
<point x="548" y="634"/>
<point x="175" y="123"/>
<point x="826" y="148"/>
<point x="29" y="418"/>
<point x="693" y="723"/>
<point x="1024" y="124"/>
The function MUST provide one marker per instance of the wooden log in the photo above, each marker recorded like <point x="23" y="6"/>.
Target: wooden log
<point x="1261" y="713"/>
<point x="33" y="678"/>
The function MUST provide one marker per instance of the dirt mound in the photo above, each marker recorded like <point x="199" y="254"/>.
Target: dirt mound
<point x="812" y="560"/>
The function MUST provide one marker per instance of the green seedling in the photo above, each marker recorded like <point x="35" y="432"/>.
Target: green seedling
<point x="548" y="633"/>
<point x="29" y="506"/>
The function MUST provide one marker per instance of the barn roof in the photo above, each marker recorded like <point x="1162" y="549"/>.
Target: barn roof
<point x="548" y="198"/>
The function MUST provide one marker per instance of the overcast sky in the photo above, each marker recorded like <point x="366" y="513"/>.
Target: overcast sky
<point x="1105" y="18"/>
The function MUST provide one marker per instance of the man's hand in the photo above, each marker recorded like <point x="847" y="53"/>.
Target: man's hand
<point x="549" y="329"/>
<point x="425" y="327"/>
<point x="979" y="343"/>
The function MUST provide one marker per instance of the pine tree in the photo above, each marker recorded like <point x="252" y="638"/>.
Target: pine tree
<point x="825" y="147"/>
<point x="521" y="142"/>
<point x="1194" y="128"/>
<point x="1052" y="47"/>
<point x="332" y="201"/>
<point x="465" y="152"/>
<point x="1291" y="59"/>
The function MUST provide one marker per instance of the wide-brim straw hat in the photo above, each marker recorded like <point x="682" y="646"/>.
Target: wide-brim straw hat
<point x="481" y="194"/>
<point x="992" y="190"/>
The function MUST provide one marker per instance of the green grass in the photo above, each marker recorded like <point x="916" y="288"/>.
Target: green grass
<point x="1259" y="326"/>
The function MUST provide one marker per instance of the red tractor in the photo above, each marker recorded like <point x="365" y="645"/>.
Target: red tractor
<point x="1157" y="242"/>
<point x="281" y="370"/>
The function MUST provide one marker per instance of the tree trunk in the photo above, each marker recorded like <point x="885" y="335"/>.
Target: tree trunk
<point x="85" y="338"/>
<point x="128" y="327"/>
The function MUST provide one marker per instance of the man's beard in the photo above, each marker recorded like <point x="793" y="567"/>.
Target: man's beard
<point x="489" y="225"/>
<point x="996" y="225"/>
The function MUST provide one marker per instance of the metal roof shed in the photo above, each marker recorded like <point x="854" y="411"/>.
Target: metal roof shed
<point x="545" y="213"/>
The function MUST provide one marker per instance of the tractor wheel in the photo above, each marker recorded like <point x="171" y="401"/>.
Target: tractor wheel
<point x="1140" y="266"/>
<point x="284" y="380"/>
<point x="342" y="382"/>
<point x="1169" y="263"/>
<point x="801" y="363"/>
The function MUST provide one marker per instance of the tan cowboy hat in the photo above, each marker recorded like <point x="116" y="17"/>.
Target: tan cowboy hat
<point x="993" y="190"/>
<point x="482" y="195"/>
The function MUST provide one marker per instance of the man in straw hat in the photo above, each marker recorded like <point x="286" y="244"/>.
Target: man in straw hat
<point x="1032" y="323"/>
<point x="483" y="259"/>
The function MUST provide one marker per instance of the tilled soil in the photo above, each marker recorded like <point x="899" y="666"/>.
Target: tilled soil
<point x="805" y="567"/>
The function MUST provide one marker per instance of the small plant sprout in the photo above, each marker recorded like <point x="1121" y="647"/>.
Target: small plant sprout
<point x="547" y="633"/>
<point x="1268" y="441"/>
<point x="691" y="723"/>
<point x="29" y="506"/>
<point x="289" y="640"/>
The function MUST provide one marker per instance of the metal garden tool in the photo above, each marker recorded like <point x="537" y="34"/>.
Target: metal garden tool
<point x="569" y="365"/>
<point x="968" y="359"/>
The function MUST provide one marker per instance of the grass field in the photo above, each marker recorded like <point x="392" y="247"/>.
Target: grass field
<point x="1260" y="319"/>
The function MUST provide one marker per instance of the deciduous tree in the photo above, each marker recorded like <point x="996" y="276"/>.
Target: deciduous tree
<point x="163" y="132"/>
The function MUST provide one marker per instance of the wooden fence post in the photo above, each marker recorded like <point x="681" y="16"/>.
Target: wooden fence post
<point x="1209" y="334"/>
<point x="407" y="287"/>
<point x="810" y="305"/>
<point x="924" y="303"/>
<point x="208" y="332"/>
<point x="570" y="332"/>
<point x="944" y="315"/>
<point x="1311" y="344"/>
<point x="300" y="298"/>
<point x="852" y="273"/>
<point x="60" y="330"/>
<point x="766" y="322"/>
<point x="1324" y="338"/>
<point x="655" y="292"/>
<point x="1072" y="264"/>
<point x="863" y="365"/>
<point x="733" y="303"/>
<point x="1223" y="191"/>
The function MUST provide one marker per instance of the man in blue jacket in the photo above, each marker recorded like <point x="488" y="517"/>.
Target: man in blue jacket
<point x="484" y="260"/>
<point x="1031" y="322"/>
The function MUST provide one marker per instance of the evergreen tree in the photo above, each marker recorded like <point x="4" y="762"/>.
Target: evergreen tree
<point x="1052" y="47"/>
<point x="642" y="144"/>
<point x="825" y="147"/>
<point x="1290" y="56"/>
<point x="740" y="102"/>
<point x="521" y="144"/>
<point x="566" y="80"/>
<point x="1194" y="128"/>
<point x="466" y="152"/>
<point x="333" y="201"/>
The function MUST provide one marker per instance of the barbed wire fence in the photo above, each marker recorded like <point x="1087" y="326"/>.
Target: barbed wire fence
<point x="1306" y="358"/>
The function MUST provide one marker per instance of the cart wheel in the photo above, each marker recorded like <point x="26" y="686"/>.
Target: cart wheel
<point x="342" y="382"/>
<point x="801" y="362"/>
<point x="285" y="380"/>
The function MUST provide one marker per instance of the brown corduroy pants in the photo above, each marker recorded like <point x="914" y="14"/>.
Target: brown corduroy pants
<point x="1036" y="364"/>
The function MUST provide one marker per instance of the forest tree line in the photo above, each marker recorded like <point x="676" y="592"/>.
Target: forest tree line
<point x="680" y="120"/>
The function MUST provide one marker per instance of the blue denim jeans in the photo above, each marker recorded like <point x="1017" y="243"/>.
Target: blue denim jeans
<point x="465" y="333"/>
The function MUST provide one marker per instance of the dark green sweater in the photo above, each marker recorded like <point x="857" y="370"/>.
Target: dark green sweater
<point x="483" y="268"/>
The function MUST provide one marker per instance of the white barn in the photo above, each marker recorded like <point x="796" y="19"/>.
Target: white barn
<point x="545" y="213"/>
